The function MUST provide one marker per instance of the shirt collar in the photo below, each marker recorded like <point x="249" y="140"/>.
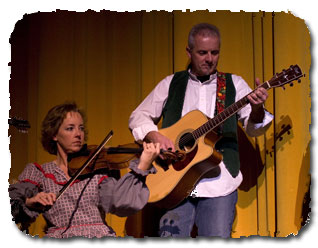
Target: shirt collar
<point x="194" y="77"/>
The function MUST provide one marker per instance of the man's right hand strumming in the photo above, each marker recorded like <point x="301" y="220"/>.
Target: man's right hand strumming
<point x="165" y="142"/>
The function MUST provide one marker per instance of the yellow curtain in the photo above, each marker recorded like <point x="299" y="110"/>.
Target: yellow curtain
<point x="109" y="61"/>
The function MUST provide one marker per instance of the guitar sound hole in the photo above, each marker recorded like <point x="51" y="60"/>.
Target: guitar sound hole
<point x="186" y="142"/>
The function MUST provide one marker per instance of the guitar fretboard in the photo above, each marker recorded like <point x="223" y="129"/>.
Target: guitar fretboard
<point x="224" y="115"/>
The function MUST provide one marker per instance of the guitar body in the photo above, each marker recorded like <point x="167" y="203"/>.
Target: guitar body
<point x="174" y="182"/>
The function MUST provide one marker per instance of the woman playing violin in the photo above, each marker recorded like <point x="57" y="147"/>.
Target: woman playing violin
<point x="81" y="210"/>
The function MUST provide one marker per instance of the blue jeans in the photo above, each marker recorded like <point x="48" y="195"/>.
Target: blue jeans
<point x="212" y="216"/>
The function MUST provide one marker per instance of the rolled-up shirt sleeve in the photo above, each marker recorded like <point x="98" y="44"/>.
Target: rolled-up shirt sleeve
<point x="127" y="195"/>
<point x="147" y="115"/>
<point x="251" y="128"/>
<point x="257" y="129"/>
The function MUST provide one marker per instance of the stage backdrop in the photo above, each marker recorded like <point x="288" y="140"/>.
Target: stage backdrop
<point x="109" y="61"/>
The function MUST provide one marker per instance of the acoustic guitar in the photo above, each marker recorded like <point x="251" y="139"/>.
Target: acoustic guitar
<point x="193" y="134"/>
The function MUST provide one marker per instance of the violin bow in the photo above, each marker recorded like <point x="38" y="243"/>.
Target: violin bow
<point x="80" y="170"/>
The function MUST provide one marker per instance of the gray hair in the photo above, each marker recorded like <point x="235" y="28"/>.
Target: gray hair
<point x="204" y="29"/>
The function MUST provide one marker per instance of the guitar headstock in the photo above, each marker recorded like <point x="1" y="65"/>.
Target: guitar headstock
<point x="20" y="124"/>
<point x="286" y="76"/>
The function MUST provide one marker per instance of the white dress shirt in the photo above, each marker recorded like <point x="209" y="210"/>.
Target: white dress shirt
<point x="198" y="96"/>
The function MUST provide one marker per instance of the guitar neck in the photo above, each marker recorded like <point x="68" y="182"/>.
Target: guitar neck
<point x="224" y="115"/>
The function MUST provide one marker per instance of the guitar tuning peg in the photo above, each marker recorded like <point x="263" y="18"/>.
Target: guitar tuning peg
<point x="298" y="80"/>
<point x="291" y="84"/>
<point x="283" y="87"/>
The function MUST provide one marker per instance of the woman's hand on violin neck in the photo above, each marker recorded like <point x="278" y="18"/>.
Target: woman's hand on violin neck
<point x="41" y="199"/>
<point x="149" y="154"/>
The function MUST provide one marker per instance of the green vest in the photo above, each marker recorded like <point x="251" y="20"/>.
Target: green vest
<point x="227" y="145"/>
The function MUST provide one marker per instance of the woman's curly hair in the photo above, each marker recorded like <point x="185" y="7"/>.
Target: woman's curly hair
<point x="52" y="122"/>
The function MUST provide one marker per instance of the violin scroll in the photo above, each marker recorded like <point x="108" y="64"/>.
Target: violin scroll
<point x="173" y="156"/>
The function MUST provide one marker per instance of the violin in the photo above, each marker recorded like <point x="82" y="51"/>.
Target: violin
<point x="92" y="158"/>
<point x="112" y="158"/>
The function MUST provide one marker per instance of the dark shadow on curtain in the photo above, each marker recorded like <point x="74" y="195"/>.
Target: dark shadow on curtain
<point x="303" y="198"/>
